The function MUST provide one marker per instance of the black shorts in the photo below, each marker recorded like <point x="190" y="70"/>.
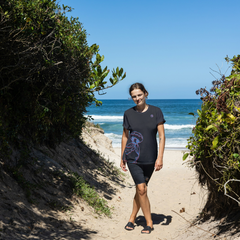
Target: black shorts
<point x="141" y="173"/>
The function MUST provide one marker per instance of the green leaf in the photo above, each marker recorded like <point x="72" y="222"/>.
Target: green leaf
<point x="115" y="81"/>
<point x="210" y="127"/>
<point x="219" y="118"/>
<point x="199" y="112"/>
<point x="98" y="58"/>
<point x="231" y="116"/>
<point x="236" y="155"/>
<point x="120" y="72"/>
<point x="92" y="86"/>
<point x="102" y="58"/>
<point x="215" y="142"/>
<point x="99" y="70"/>
<point x="191" y="113"/>
<point x="105" y="73"/>
<point x="185" y="156"/>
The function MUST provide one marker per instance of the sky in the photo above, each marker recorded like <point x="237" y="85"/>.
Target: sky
<point x="169" y="46"/>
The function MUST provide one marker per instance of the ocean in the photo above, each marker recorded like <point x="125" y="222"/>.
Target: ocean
<point x="178" y="126"/>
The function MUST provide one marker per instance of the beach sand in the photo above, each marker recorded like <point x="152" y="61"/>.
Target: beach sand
<point x="175" y="198"/>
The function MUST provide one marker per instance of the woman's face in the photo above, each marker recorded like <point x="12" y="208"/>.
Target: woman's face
<point x="138" y="96"/>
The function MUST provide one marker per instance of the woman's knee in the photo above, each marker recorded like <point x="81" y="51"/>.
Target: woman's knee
<point x="141" y="189"/>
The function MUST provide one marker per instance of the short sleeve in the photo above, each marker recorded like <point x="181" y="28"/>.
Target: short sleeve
<point x="160" y="117"/>
<point x="125" y="122"/>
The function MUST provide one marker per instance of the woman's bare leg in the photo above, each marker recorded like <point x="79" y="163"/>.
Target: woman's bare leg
<point x="136" y="207"/>
<point x="141" y="200"/>
<point x="144" y="203"/>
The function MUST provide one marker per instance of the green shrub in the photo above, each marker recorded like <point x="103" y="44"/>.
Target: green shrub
<point x="48" y="73"/>
<point x="215" y="144"/>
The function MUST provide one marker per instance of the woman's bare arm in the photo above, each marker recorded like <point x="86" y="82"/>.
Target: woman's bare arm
<point x="123" y="145"/>
<point x="161" y="133"/>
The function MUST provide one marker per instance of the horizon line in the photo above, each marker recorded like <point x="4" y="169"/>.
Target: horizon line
<point x="151" y="99"/>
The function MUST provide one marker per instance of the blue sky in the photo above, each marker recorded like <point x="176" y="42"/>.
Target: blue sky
<point x="169" y="46"/>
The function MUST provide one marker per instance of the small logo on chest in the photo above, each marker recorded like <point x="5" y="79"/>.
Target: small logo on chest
<point x="151" y="115"/>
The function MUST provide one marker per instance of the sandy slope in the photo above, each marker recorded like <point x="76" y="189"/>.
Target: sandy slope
<point x="174" y="194"/>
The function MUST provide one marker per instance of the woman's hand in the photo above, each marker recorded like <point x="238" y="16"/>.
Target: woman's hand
<point x="158" y="165"/>
<point x="123" y="166"/>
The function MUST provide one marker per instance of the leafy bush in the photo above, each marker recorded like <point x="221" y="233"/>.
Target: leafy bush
<point x="215" y="144"/>
<point x="82" y="189"/>
<point x="48" y="73"/>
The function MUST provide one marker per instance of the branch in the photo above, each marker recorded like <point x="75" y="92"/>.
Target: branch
<point x="208" y="174"/>
<point x="225" y="190"/>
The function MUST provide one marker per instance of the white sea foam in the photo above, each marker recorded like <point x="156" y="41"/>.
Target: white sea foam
<point x="170" y="142"/>
<point x="107" y="118"/>
<point x="176" y="142"/>
<point x="177" y="127"/>
<point x="113" y="135"/>
<point x="120" y="119"/>
<point x="116" y="139"/>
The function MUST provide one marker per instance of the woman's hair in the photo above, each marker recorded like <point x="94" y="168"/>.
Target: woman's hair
<point x="137" y="86"/>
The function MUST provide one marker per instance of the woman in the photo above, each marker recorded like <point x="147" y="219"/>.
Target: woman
<point x="139" y="150"/>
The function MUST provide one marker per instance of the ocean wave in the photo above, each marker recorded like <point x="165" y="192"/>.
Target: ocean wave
<point x="113" y="135"/>
<point x="107" y="118"/>
<point x="177" y="127"/>
<point x="119" y="119"/>
<point x="170" y="142"/>
<point x="116" y="139"/>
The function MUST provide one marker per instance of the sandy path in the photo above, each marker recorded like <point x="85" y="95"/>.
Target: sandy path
<point x="173" y="188"/>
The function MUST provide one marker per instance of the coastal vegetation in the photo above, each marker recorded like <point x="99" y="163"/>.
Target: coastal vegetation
<point x="48" y="77"/>
<point x="85" y="191"/>
<point x="215" y="144"/>
<point x="48" y="73"/>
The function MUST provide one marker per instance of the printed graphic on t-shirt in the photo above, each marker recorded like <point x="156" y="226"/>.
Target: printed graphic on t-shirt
<point x="133" y="146"/>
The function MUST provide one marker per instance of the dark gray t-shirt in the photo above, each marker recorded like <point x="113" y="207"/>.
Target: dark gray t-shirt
<point x="141" y="146"/>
